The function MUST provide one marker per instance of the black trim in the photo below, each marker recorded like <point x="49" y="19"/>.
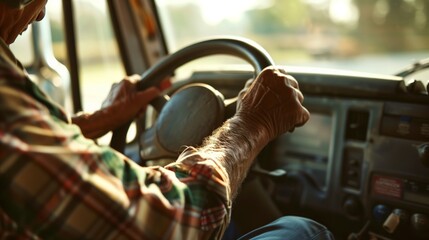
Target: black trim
<point x="71" y="43"/>
<point x="119" y="39"/>
<point x="160" y="29"/>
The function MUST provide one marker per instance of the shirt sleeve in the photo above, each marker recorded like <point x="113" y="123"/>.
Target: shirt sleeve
<point x="56" y="183"/>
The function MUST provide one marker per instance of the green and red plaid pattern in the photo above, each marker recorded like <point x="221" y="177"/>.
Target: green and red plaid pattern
<point x="57" y="184"/>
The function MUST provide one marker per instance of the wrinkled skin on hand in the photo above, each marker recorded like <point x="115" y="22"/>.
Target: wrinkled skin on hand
<point x="273" y="101"/>
<point x="267" y="107"/>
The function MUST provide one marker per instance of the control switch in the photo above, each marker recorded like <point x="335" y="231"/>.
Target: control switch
<point x="392" y="223"/>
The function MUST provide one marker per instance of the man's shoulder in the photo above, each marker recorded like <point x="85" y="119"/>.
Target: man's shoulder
<point x="10" y="68"/>
<point x="15" y="102"/>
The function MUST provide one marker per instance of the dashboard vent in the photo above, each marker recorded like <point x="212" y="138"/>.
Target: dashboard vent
<point x="352" y="167"/>
<point x="357" y="125"/>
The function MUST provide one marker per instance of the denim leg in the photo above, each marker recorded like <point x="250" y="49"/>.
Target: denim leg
<point x="290" y="228"/>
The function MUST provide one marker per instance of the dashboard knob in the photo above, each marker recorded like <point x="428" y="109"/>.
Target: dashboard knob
<point x="391" y="223"/>
<point x="352" y="206"/>
<point x="403" y="215"/>
<point x="423" y="150"/>
<point x="380" y="213"/>
<point x="420" y="223"/>
<point x="399" y="218"/>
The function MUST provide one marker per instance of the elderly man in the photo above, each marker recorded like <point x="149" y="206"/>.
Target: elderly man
<point x="57" y="183"/>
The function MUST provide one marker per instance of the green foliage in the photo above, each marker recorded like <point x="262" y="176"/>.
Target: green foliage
<point x="281" y="16"/>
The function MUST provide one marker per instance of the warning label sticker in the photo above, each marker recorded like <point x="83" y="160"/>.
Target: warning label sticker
<point x="387" y="186"/>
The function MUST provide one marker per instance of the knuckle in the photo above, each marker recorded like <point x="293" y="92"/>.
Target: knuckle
<point x="268" y="71"/>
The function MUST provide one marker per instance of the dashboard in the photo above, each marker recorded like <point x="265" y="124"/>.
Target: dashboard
<point x="308" y="149"/>
<point x="362" y="158"/>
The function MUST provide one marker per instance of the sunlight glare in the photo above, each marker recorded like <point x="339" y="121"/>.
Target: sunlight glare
<point x="343" y="11"/>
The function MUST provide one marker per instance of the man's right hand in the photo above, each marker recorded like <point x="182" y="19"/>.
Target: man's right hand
<point x="272" y="102"/>
<point x="267" y="107"/>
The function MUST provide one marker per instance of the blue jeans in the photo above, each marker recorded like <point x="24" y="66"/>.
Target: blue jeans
<point x="290" y="228"/>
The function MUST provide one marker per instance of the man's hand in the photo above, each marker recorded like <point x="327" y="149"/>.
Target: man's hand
<point x="122" y="104"/>
<point x="272" y="101"/>
<point x="124" y="94"/>
<point x="269" y="106"/>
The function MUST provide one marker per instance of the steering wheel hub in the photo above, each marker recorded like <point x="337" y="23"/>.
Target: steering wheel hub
<point x="191" y="114"/>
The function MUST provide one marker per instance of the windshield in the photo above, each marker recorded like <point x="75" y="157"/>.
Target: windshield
<point x="379" y="36"/>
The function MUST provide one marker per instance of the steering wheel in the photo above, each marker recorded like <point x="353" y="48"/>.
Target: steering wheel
<point x="204" y="106"/>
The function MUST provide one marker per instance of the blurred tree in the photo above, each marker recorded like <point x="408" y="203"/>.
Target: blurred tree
<point x="422" y="7"/>
<point x="281" y="16"/>
<point x="392" y="25"/>
<point x="186" y="19"/>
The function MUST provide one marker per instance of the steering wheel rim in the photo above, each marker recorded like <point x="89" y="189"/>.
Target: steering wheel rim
<point x="242" y="48"/>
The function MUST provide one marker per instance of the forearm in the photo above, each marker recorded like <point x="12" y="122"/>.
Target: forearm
<point x="234" y="146"/>
<point x="116" y="112"/>
<point x="97" y="124"/>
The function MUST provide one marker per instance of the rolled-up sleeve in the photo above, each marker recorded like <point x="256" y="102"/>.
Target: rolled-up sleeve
<point x="56" y="183"/>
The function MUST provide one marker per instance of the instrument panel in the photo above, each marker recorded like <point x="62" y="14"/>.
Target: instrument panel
<point x="362" y="159"/>
<point x="308" y="149"/>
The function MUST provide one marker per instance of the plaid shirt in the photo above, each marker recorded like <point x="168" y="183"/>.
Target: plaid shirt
<point x="56" y="184"/>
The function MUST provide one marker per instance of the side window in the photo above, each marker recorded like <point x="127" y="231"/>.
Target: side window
<point x="35" y="51"/>
<point x="42" y="50"/>
<point x="99" y="59"/>
<point x="98" y="55"/>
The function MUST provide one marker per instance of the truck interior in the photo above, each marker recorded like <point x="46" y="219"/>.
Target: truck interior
<point x="360" y="165"/>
